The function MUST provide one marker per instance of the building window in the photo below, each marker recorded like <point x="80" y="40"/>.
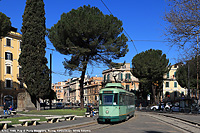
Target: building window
<point x="108" y="77"/>
<point x="8" y="42"/>
<point x="175" y="94"/>
<point x="127" y="87"/>
<point x="8" y="69"/>
<point x="128" y="76"/>
<point x="121" y="76"/>
<point x="174" y="74"/>
<point x="8" y="56"/>
<point x="104" y="78"/>
<point x="167" y="84"/>
<point x="168" y="75"/>
<point x="8" y="83"/>
<point x="175" y="84"/>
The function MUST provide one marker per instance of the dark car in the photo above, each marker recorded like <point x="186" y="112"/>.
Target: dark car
<point x="59" y="106"/>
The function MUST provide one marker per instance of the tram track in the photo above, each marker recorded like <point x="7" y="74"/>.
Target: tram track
<point x="89" y="127"/>
<point x="181" y="124"/>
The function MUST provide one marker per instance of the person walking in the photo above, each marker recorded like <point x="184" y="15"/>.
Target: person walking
<point x="5" y="108"/>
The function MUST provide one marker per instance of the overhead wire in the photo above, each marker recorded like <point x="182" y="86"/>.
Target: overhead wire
<point x="124" y="29"/>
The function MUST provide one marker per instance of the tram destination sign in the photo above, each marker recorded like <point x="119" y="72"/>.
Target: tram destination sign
<point x="107" y="91"/>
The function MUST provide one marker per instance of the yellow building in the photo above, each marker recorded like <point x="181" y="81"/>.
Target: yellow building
<point x="59" y="90"/>
<point x="171" y="88"/>
<point x="122" y="75"/>
<point x="10" y="80"/>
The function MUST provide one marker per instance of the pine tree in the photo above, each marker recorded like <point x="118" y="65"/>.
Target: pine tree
<point x="149" y="67"/>
<point x="89" y="37"/>
<point x="5" y="24"/>
<point x="32" y="58"/>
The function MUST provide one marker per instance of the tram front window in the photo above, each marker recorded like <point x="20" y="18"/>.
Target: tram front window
<point x="107" y="99"/>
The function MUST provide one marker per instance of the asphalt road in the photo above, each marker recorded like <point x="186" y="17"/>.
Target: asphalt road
<point x="139" y="124"/>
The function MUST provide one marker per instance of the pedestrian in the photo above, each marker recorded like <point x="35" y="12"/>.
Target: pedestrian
<point x="5" y="108"/>
<point x="91" y="108"/>
<point x="10" y="109"/>
<point x="140" y="106"/>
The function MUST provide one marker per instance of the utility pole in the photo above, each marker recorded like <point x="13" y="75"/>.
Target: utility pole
<point x="50" y="100"/>
<point x="188" y="79"/>
<point x="197" y="64"/>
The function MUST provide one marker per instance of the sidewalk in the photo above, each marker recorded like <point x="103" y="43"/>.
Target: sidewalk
<point x="49" y="127"/>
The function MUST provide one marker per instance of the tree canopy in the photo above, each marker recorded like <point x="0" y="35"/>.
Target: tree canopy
<point x="5" y="24"/>
<point x="32" y="58"/>
<point x="182" y="74"/>
<point x="183" y="22"/>
<point x="149" y="67"/>
<point x="89" y="37"/>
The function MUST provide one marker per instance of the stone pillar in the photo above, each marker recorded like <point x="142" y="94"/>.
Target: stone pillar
<point x="24" y="102"/>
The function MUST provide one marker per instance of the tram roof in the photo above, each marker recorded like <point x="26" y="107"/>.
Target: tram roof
<point x="114" y="85"/>
<point x="115" y="88"/>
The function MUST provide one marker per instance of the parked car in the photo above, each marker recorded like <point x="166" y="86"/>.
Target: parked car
<point x="161" y="106"/>
<point x="59" y="106"/>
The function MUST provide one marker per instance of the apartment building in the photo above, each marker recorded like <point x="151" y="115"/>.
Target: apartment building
<point x="171" y="88"/>
<point x="10" y="79"/>
<point x="72" y="91"/>
<point x="122" y="75"/>
<point x="59" y="90"/>
<point x="92" y="87"/>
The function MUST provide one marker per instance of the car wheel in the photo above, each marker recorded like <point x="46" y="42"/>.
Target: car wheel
<point x="154" y="109"/>
<point x="167" y="109"/>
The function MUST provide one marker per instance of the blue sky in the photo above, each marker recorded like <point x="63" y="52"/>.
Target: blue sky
<point x="142" y="20"/>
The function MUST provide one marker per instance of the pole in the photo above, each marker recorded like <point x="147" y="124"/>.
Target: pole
<point x="50" y="79"/>
<point x="188" y="79"/>
<point x="197" y="63"/>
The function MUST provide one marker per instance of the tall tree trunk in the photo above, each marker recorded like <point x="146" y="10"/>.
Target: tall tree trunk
<point x="154" y="95"/>
<point x="38" y="104"/>
<point x="81" y="83"/>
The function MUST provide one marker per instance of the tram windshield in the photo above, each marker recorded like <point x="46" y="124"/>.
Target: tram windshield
<point x="107" y="99"/>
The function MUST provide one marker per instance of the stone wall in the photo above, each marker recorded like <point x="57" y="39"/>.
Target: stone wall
<point x="24" y="102"/>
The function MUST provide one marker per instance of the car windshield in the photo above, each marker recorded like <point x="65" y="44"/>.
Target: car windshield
<point x="107" y="99"/>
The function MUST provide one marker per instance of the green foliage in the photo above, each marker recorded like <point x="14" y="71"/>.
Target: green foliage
<point x="182" y="74"/>
<point x="149" y="67"/>
<point x="32" y="58"/>
<point x="5" y="24"/>
<point x="88" y="36"/>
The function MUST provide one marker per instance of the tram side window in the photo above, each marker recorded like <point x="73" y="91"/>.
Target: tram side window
<point x="126" y="100"/>
<point x="115" y="99"/>
<point x="121" y="99"/>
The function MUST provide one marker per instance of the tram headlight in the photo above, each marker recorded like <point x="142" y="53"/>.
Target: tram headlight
<point x="107" y="111"/>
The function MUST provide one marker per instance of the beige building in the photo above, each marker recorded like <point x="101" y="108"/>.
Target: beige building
<point x="171" y="88"/>
<point x="92" y="87"/>
<point x="72" y="91"/>
<point x="59" y="90"/>
<point x="10" y="78"/>
<point x="123" y="76"/>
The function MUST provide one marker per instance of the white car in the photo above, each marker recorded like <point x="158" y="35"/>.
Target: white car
<point x="163" y="107"/>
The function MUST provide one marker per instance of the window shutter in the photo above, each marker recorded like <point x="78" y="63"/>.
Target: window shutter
<point x="11" y="56"/>
<point x="6" y="57"/>
<point x="121" y="76"/>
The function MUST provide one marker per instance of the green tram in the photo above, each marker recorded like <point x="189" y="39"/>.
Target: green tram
<point x="115" y="104"/>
